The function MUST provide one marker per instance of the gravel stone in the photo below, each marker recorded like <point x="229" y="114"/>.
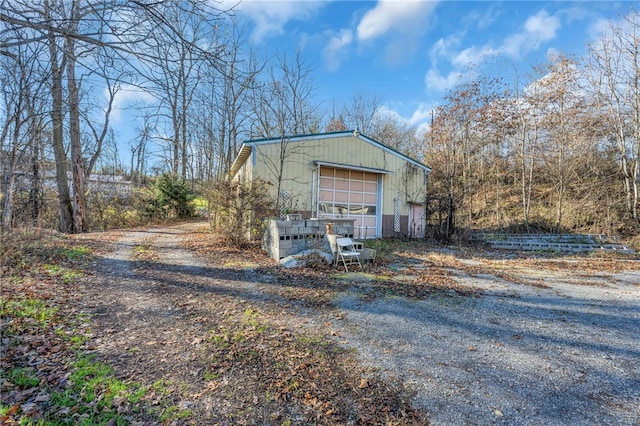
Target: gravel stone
<point x="517" y="355"/>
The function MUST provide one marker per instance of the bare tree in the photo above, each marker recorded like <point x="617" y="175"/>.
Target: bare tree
<point x="173" y="75"/>
<point x="285" y="107"/>
<point x="524" y="121"/>
<point x="564" y="143"/>
<point x="394" y="131"/>
<point x="441" y="152"/>
<point x="23" y="124"/>
<point x="336" y="120"/>
<point x="614" y="70"/>
<point x="231" y="109"/>
<point x="187" y="54"/>
<point x="461" y="132"/>
<point x="56" y="25"/>
<point x="76" y="33"/>
<point x="56" y="63"/>
<point x="138" y="151"/>
<point x="336" y="124"/>
<point x="15" y="98"/>
<point x="361" y="111"/>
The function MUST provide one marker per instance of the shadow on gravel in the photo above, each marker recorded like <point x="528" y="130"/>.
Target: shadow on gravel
<point x="539" y="319"/>
<point x="538" y="360"/>
<point x="554" y="312"/>
<point x="193" y="278"/>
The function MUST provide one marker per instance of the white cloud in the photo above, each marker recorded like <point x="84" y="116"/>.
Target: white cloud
<point x="599" y="28"/>
<point x="334" y="51"/>
<point x="420" y="118"/>
<point x="421" y="115"/>
<point x="387" y="112"/>
<point x="435" y="81"/>
<point x="538" y="29"/>
<point x="542" y="26"/>
<point x="406" y="16"/>
<point x="482" y="19"/>
<point x="422" y="129"/>
<point x="445" y="48"/>
<point x="126" y="97"/>
<point x="472" y="56"/>
<point x="444" y="51"/>
<point x="270" y="17"/>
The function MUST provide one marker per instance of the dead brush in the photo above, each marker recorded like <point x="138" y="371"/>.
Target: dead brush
<point x="20" y="247"/>
<point x="444" y="260"/>
<point x="315" y="262"/>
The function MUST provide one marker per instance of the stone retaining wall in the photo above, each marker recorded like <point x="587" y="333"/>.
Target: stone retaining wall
<point x="568" y="243"/>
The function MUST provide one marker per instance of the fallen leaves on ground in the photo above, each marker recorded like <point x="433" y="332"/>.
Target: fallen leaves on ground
<point x="256" y="367"/>
<point x="256" y="370"/>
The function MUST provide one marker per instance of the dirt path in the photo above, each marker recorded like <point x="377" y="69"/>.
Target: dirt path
<point x="155" y="318"/>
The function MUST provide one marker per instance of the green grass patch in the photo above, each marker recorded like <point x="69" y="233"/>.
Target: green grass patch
<point x="136" y="395"/>
<point x="92" y="395"/>
<point x="23" y="377"/>
<point x="221" y="340"/>
<point x="173" y="413"/>
<point x="4" y="410"/>
<point x="76" y="253"/>
<point x="310" y="342"/>
<point x="200" y="202"/>
<point x="35" y="309"/>
<point x="71" y="276"/>
<point x="239" y="264"/>
<point x="52" y="269"/>
<point x="211" y="375"/>
<point x="64" y="399"/>
<point x="144" y="251"/>
<point x="358" y="276"/>
<point x="250" y="318"/>
<point x="77" y="341"/>
<point x="239" y="336"/>
<point x="90" y="377"/>
<point x="161" y="387"/>
<point x="68" y="275"/>
<point x="94" y="382"/>
<point x="141" y="249"/>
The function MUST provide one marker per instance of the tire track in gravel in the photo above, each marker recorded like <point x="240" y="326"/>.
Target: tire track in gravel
<point x="152" y="316"/>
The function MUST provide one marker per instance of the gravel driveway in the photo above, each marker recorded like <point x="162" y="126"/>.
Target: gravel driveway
<point x="565" y="352"/>
<point x="526" y="345"/>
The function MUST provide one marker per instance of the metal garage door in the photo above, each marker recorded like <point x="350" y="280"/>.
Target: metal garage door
<point x="350" y="194"/>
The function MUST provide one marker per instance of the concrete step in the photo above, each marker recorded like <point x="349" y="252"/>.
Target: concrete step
<point x="547" y="242"/>
<point x="560" y="247"/>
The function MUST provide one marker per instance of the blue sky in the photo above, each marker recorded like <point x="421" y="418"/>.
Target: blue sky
<point x="410" y="52"/>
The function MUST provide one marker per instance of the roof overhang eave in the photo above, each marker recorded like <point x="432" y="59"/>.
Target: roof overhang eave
<point x="242" y="156"/>
<point x="353" y="167"/>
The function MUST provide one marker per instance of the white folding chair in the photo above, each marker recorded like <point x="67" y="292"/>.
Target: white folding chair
<point x="347" y="253"/>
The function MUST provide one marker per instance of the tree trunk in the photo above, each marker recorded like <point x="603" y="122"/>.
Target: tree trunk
<point x="62" y="183"/>
<point x="35" y="196"/>
<point x="7" y="213"/>
<point x="77" y="162"/>
<point x="183" y="125"/>
<point x="636" y="189"/>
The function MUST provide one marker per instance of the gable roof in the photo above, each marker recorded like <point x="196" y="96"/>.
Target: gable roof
<point x="247" y="146"/>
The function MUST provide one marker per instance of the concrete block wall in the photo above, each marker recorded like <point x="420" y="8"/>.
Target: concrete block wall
<point x="284" y="238"/>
